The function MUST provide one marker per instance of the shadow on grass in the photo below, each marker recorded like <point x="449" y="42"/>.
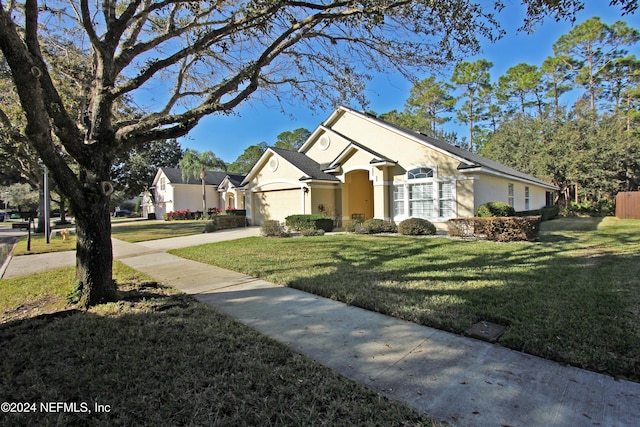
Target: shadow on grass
<point x="581" y="310"/>
<point x="168" y="360"/>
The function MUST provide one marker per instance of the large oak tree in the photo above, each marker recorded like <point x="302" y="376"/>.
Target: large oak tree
<point x="183" y="60"/>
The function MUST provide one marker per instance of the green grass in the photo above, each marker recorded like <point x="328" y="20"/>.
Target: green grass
<point x="127" y="230"/>
<point x="158" y="357"/>
<point x="142" y="231"/>
<point x="39" y="245"/>
<point x="572" y="297"/>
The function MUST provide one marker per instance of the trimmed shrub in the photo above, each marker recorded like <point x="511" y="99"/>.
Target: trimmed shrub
<point x="547" y="213"/>
<point x="416" y="227"/>
<point x="353" y="226"/>
<point x="493" y="209"/>
<point x="210" y="227"/>
<point x="311" y="232"/>
<point x="499" y="229"/>
<point x="273" y="228"/>
<point x="236" y="212"/>
<point x="309" y="222"/>
<point x="376" y="226"/>
<point x="462" y="227"/>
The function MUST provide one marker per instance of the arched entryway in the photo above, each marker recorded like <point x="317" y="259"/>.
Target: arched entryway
<point x="231" y="202"/>
<point x="357" y="195"/>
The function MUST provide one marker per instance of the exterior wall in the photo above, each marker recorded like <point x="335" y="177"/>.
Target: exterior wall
<point x="323" y="155"/>
<point x="496" y="189"/>
<point x="393" y="145"/>
<point x="276" y="205"/>
<point x="465" y="198"/>
<point x="323" y="195"/>
<point x="189" y="197"/>
<point x="408" y="154"/>
<point x="275" y="174"/>
<point x="275" y="191"/>
<point x="163" y="200"/>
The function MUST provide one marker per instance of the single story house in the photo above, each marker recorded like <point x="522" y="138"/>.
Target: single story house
<point x="171" y="193"/>
<point x="355" y="165"/>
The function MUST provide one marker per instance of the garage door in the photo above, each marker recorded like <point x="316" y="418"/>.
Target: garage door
<point x="276" y="205"/>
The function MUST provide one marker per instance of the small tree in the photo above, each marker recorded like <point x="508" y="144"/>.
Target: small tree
<point x="196" y="165"/>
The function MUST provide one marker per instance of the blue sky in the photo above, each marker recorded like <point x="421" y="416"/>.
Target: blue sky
<point x="228" y="136"/>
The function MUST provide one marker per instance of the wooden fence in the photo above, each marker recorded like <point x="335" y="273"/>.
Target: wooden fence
<point x="628" y="205"/>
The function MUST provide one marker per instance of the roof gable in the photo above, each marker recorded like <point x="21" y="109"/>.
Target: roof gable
<point x="309" y="168"/>
<point x="469" y="161"/>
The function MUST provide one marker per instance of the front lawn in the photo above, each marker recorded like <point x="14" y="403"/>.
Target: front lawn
<point x="158" y="357"/>
<point x="572" y="297"/>
<point x="141" y="231"/>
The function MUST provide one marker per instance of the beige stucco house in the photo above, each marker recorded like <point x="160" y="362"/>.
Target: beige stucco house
<point x="172" y="193"/>
<point x="355" y="165"/>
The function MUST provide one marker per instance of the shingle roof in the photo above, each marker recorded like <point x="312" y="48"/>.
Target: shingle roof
<point x="471" y="160"/>
<point x="311" y="168"/>
<point x="212" y="177"/>
<point x="236" y="178"/>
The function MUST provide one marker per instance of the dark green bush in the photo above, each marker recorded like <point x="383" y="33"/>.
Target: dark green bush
<point x="603" y="207"/>
<point x="547" y="213"/>
<point x="416" y="227"/>
<point x="494" y="209"/>
<point x="273" y="228"/>
<point x="306" y="222"/>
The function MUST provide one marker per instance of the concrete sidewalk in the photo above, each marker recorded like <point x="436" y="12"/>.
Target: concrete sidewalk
<point x="459" y="380"/>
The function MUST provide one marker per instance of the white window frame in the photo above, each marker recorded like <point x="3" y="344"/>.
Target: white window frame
<point x="527" y="198"/>
<point x="447" y="201"/>
<point x="430" y="206"/>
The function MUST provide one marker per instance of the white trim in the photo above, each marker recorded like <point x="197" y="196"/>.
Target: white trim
<point x="324" y="142"/>
<point x="273" y="163"/>
<point x="434" y="168"/>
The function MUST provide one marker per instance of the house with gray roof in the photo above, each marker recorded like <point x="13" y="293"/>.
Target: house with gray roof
<point x="356" y="166"/>
<point x="172" y="193"/>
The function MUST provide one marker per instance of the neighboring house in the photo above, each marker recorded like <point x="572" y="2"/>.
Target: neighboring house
<point x="171" y="193"/>
<point x="355" y="165"/>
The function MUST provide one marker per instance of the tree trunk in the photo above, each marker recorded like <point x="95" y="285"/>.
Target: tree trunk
<point x="94" y="256"/>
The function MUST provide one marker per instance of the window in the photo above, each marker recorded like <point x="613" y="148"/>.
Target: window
<point x="445" y="200"/>
<point x="421" y="200"/>
<point x="162" y="183"/>
<point x="510" y="197"/>
<point x="526" y="198"/>
<point x="398" y="200"/>
<point x="420" y="173"/>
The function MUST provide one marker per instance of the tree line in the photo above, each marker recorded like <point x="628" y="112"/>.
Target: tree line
<point x="589" y="147"/>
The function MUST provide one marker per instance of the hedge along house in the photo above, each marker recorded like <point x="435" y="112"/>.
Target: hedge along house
<point x="171" y="193"/>
<point x="356" y="166"/>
